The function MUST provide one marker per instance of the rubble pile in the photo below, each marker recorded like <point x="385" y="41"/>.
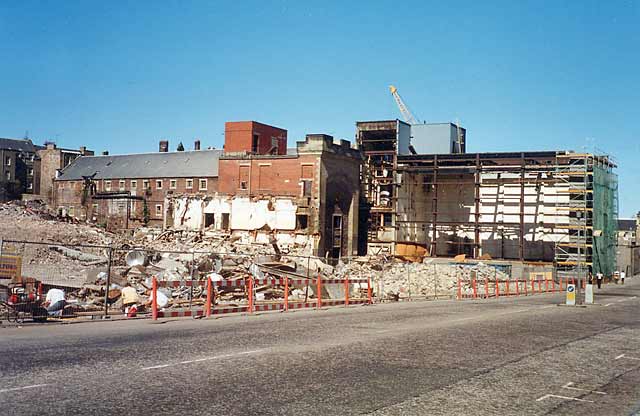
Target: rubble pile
<point x="68" y="260"/>
<point x="393" y="279"/>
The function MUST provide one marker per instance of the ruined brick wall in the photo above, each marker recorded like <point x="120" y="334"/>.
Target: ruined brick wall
<point x="68" y="195"/>
<point x="50" y="162"/>
<point x="340" y="181"/>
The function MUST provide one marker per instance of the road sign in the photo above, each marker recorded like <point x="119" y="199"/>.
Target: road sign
<point x="571" y="295"/>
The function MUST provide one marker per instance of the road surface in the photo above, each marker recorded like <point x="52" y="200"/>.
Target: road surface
<point x="524" y="356"/>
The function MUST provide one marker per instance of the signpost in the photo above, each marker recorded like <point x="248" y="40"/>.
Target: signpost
<point x="571" y="295"/>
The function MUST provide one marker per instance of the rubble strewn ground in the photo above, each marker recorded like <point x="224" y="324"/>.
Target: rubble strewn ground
<point x="397" y="279"/>
<point x="76" y="256"/>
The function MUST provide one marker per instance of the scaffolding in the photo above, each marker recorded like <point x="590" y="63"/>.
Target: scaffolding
<point x="588" y="193"/>
<point x="552" y="206"/>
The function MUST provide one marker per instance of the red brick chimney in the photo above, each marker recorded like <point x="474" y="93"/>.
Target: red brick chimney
<point x="196" y="144"/>
<point x="164" y="146"/>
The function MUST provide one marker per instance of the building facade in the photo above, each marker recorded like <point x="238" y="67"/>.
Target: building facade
<point x="125" y="191"/>
<point x="628" y="250"/>
<point x="255" y="138"/>
<point x="309" y="196"/>
<point x="19" y="169"/>
<point x="52" y="160"/>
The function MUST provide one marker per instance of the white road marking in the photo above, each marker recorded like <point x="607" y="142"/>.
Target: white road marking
<point x="627" y="357"/>
<point x="215" y="357"/>
<point x="33" y="386"/>
<point x="608" y="304"/>
<point x="569" y="386"/>
<point x="547" y="396"/>
<point x="156" y="366"/>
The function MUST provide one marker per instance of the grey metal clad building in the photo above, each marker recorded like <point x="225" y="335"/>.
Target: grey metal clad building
<point x="438" y="138"/>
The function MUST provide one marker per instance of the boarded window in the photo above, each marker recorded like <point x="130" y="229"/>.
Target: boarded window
<point x="307" y="172"/>
<point x="306" y="188"/>
<point x="264" y="177"/>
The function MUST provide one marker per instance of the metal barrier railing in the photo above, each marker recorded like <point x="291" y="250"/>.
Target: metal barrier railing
<point x="252" y="305"/>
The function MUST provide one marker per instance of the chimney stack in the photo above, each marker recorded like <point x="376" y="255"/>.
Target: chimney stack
<point x="196" y="144"/>
<point x="105" y="153"/>
<point x="164" y="146"/>
<point x="83" y="150"/>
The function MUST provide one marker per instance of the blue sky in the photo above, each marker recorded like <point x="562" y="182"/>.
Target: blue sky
<point x="540" y="75"/>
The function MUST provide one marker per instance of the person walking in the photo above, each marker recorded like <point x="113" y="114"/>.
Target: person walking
<point x="622" y="276"/>
<point x="599" y="280"/>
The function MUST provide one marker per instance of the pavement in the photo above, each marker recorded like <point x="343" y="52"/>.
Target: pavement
<point x="514" y="356"/>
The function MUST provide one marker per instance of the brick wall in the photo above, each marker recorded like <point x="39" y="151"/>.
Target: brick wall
<point x="238" y="137"/>
<point x="68" y="195"/>
<point x="276" y="176"/>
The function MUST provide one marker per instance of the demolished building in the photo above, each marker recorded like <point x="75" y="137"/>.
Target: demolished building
<point x="125" y="191"/>
<point x="257" y="187"/>
<point x="308" y="196"/>
<point x="553" y="206"/>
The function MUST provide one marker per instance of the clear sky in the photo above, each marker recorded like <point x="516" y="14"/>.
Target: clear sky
<point x="539" y="75"/>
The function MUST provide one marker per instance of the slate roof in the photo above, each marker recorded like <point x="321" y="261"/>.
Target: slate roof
<point x="24" y="145"/>
<point x="188" y="164"/>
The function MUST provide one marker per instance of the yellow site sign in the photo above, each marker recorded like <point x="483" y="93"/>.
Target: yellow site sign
<point x="571" y="294"/>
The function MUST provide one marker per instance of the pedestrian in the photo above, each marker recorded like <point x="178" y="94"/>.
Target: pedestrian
<point x="54" y="302"/>
<point x="622" y="276"/>
<point x="129" y="297"/>
<point x="590" y="278"/>
<point x="599" y="279"/>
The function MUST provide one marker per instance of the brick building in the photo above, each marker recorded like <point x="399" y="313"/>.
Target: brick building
<point x="254" y="137"/>
<point x="52" y="160"/>
<point x="308" y="195"/>
<point x="123" y="191"/>
<point x="19" y="169"/>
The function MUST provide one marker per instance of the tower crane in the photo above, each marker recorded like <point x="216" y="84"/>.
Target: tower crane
<point x="406" y="114"/>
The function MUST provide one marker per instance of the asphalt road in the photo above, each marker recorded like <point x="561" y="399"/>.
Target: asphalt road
<point x="524" y="356"/>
